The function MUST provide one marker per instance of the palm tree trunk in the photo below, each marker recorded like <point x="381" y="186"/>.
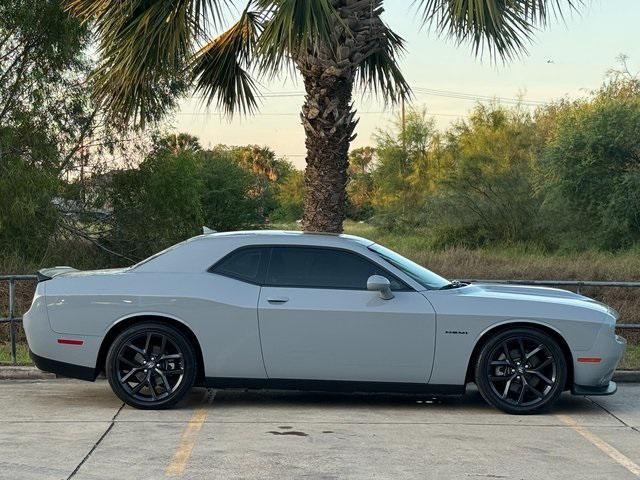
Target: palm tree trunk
<point x="328" y="116"/>
<point x="328" y="121"/>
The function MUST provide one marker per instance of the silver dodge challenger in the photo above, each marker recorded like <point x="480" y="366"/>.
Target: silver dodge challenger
<point x="291" y="310"/>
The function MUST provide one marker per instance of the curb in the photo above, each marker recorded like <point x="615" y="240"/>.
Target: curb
<point x="20" y="372"/>
<point x="627" y="376"/>
<point x="25" y="372"/>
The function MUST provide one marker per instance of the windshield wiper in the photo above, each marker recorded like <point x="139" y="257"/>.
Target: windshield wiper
<point x="454" y="284"/>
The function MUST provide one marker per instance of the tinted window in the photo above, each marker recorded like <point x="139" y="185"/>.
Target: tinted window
<point x="425" y="277"/>
<point x="243" y="264"/>
<point x="323" y="268"/>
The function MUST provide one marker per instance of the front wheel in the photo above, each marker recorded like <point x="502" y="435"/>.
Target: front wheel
<point x="151" y="366"/>
<point x="521" y="371"/>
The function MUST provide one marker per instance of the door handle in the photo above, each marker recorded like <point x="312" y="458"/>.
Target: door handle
<point x="277" y="300"/>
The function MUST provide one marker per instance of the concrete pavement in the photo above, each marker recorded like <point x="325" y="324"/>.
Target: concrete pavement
<point x="65" y="429"/>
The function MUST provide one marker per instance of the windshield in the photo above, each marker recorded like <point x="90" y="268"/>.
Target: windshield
<point x="424" y="277"/>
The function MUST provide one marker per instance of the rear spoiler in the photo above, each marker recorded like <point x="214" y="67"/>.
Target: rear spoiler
<point x="48" y="273"/>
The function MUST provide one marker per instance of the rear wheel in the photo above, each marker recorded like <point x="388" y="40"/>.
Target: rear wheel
<point x="151" y="366"/>
<point x="521" y="371"/>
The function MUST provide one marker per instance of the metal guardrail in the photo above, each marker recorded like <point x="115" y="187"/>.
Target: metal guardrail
<point x="12" y="320"/>
<point x="578" y="284"/>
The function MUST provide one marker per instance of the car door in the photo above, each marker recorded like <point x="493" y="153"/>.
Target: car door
<point x="318" y="321"/>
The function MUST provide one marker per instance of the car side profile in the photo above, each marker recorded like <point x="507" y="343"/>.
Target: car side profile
<point x="292" y="310"/>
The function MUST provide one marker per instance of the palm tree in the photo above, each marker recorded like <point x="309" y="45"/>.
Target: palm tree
<point x="153" y="50"/>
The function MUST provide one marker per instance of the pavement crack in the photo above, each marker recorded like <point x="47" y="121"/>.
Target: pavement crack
<point x="93" y="449"/>
<point x="605" y="409"/>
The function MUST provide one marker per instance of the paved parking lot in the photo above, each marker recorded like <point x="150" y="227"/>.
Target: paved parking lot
<point x="66" y="429"/>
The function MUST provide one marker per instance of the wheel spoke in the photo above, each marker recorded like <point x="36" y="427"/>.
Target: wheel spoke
<point x="174" y="356"/>
<point x="165" y="382"/>
<point x="507" y="387"/>
<point x="546" y="363"/>
<point x="521" y="396"/>
<point x="540" y="376"/>
<point x="147" y="343"/>
<point x="499" y="363"/>
<point x="163" y="345"/>
<point x="128" y="362"/>
<point x="154" y="396"/>
<point x="126" y="378"/>
<point x="135" y="349"/>
<point x="536" y="392"/>
<point x="138" y="387"/>
<point x="534" y="351"/>
<point x="505" y="347"/>
<point x="523" y="352"/>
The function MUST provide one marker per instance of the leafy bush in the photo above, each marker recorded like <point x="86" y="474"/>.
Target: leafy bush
<point x="27" y="215"/>
<point x="591" y="168"/>
<point x="487" y="194"/>
<point x="155" y="205"/>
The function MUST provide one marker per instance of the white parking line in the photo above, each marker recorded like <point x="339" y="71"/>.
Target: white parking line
<point x="612" y="452"/>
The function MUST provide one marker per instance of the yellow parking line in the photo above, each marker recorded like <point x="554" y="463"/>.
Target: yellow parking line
<point x="188" y="441"/>
<point x="614" y="453"/>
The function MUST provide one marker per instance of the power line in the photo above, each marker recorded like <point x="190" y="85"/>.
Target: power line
<point x="257" y="114"/>
<point x="421" y="91"/>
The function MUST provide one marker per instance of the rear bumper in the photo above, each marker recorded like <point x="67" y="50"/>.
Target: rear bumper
<point x="608" y="389"/>
<point x="63" y="369"/>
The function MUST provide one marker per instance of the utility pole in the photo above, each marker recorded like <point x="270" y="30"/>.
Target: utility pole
<point x="404" y="126"/>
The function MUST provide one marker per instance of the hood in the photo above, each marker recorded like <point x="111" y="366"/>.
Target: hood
<point x="543" y="294"/>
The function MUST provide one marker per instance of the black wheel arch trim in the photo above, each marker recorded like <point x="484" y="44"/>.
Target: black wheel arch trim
<point x="64" y="369"/>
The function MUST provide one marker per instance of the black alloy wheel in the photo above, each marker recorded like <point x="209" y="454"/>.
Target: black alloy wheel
<point x="151" y="366"/>
<point x="521" y="371"/>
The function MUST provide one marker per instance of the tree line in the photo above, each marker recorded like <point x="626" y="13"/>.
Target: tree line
<point x="565" y="176"/>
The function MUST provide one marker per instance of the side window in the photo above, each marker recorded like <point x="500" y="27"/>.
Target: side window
<point x="323" y="268"/>
<point x="244" y="264"/>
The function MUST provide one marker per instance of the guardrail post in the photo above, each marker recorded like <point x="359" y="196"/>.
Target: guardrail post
<point x="12" y="324"/>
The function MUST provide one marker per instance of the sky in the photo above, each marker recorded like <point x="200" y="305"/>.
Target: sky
<point x="567" y="59"/>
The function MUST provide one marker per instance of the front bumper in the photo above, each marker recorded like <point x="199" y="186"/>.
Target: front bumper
<point x="595" y="378"/>
<point x="608" y="389"/>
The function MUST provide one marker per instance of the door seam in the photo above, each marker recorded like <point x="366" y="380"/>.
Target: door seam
<point x="264" y="365"/>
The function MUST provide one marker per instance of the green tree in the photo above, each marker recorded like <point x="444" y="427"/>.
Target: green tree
<point x="591" y="167"/>
<point x="334" y="45"/>
<point x="403" y="176"/>
<point x="232" y="196"/>
<point x="360" y="187"/>
<point x="487" y="193"/>
<point x="289" y="192"/>
<point x="27" y="216"/>
<point x="155" y="205"/>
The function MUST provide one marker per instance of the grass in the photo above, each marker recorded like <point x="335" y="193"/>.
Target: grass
<point x="22" y="354"/>
<point x="631" y="359"/>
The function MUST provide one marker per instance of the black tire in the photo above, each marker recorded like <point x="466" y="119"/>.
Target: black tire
<point x="151" y="366"/>
<point x="518" y="387"/>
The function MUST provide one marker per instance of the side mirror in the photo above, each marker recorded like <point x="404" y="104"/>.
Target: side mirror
<point x="378" y="283"/>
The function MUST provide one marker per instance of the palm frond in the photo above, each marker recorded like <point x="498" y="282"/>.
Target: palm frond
<point x="379" y="70"/>
<point x="502" y="27"/>
<point x="218" y="69"/>
<point x="293" y="26"/>
<point x="143" y="46"/>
